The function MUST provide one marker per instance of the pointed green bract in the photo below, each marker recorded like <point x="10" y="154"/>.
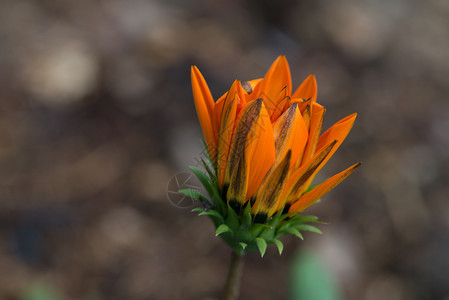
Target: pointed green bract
<point x="296" y="232"/>
<point x="279" y="245"/>
<point x="212" y="213"/>
<point x="261" y="245"/>
<point x="208" y="170"/>
<point x="194" y="194"/>
<point x="222" y="228"/>
<point x="198" y="210"/>
<point x="232" y="219"/>
<point x="305" y="227"/>
<point x="243" y="245"/>
<point x="203" y="179"/>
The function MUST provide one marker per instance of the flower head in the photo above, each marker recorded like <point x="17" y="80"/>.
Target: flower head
<point x="265" y="147"/>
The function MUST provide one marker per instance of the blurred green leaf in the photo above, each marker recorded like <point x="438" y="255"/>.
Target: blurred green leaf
<point x="92" y="296"/>
<point x="310" y="280"/>
<point x="39" y="291"/>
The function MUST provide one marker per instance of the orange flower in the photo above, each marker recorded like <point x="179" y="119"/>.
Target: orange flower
<point x="265" y="141"/>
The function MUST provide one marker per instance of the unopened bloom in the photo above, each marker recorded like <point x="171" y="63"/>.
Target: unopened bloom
<point x="265" y="146"/>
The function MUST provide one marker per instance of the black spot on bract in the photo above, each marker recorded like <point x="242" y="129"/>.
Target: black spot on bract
<point x="252" y="200"/>
<point x="286" y="208"/>
<point x="235" y="205"/>
<point x="260" y="218"/>
<point x="224" y="191"/>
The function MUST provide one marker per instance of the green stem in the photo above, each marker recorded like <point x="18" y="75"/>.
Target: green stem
<point x="232" y="288"/>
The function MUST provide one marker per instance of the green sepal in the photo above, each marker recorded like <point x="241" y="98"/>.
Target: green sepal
<point x="279" y="245"/>
<point x="211" y="186"/>
<point x="211" y="174"/>
<point x="198" y="210"/>
<point x="261" y="245"/>
<point x="296" y="232"/>
<point x="288" y="215"/>
<point x="306" y="227"/>
<point x="222" y="229"/>
<point x="194" y="194"/>
<point x="212" y="213"/>
<point x="296" y="217"/>
<point x="215" y="217"/>
<point x="294" y="222"/>
<point x="257" y="228"/>
<point x="207" y="157"/>
<point x="276" y="219"/>
<point x="232" y="218"/>
<point x="268" y="233"/>
<point x="246" y="218"/>
<point x="306" y="219"/>
<point x="203" y="179"/>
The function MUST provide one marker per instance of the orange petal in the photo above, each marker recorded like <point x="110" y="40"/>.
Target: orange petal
<point x="257" y="88"/>
<point x="239" y="145"/>
<point x="300" y="179"/>
<point x="307" y="89"/>
<point x="271" y="189"/>
<point x="316" y="124"/>
<point x="204" y="105"/>
<point x="262" y="151"/>
<point x="338" y="132"/>
<point x="290" y="133"/>
<point x="306" y="115"/>
<point x="277" y="78"/>
<point x="303" y="105"/>
<point x="218" y="108"/>
<point x="227" y="124"/>
<point x="281" y="105"/>
<point x="311" y="197"/>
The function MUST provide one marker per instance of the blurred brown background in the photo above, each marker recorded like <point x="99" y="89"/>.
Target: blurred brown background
<point x="96" y="116"/>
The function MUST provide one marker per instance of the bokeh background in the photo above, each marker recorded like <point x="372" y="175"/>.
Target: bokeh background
<point x="96" y="117"/>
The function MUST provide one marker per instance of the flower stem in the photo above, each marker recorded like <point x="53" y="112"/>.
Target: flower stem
<point x="232" y="288"/>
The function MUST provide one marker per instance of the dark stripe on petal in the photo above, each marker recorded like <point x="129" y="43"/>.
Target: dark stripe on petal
<point x="311" y="170"/>
<point x="271" y="190"/>
<point x="278" y="182"/>
<point x="239" y="139"/>
<point x="239" y="181"/>
<point x="288" y="122"/>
